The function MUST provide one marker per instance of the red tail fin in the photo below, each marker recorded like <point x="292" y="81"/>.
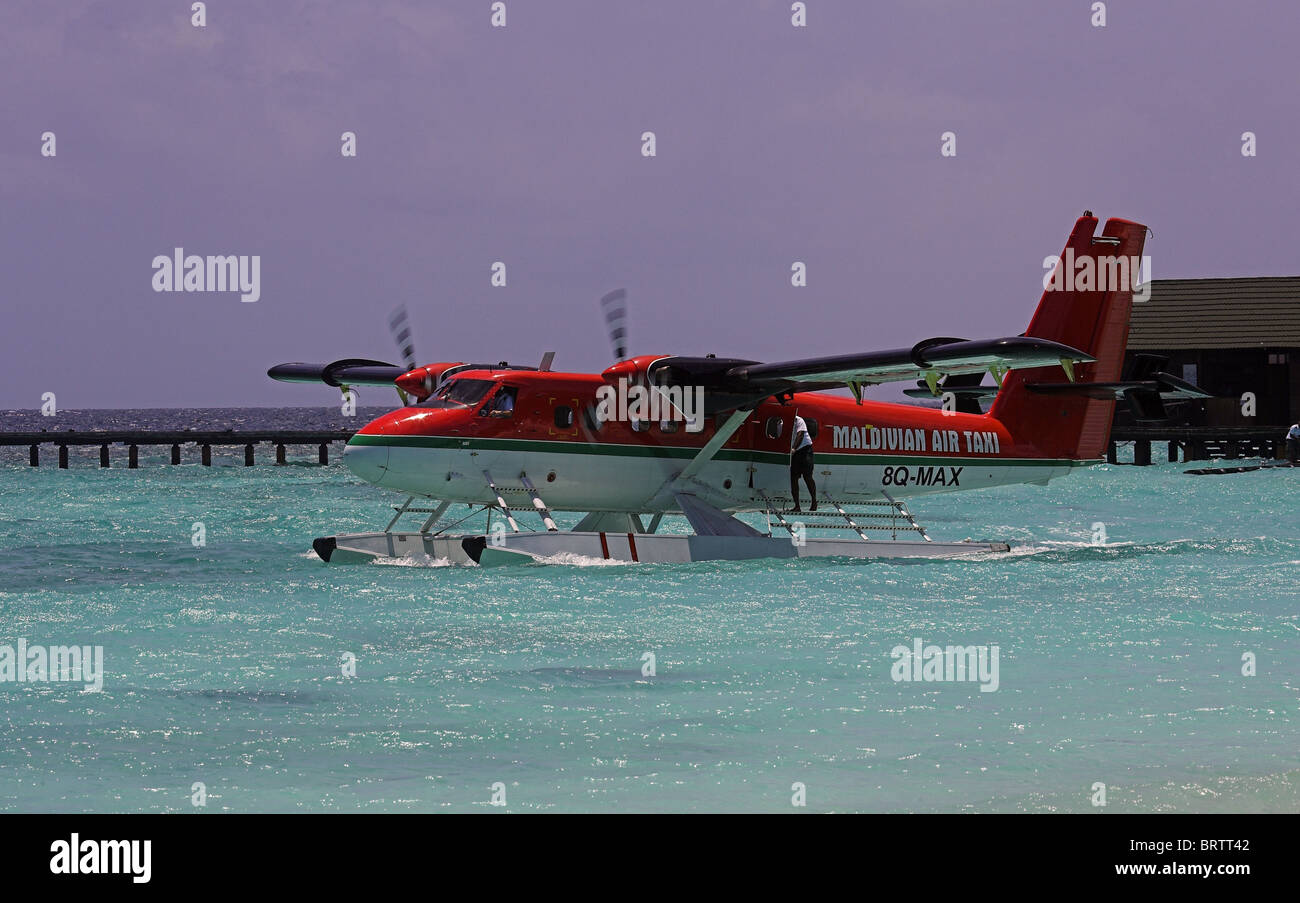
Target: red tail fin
<point x="1087" y="307"/>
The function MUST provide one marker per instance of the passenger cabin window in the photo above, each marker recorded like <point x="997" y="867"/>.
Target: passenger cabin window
<point x="564" y="417"/>
<point x="589" y="418"/>
<point x="640" y="426"/>
<point x="775" y="425"/>
<point x="502" y="404"/>
<point x="813" y="427"/>
<point x="668" y="426"/>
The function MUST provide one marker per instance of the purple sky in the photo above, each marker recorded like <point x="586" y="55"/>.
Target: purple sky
<point x="522" y="144"/>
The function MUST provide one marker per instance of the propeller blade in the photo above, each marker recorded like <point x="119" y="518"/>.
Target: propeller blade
<point x="399" y="325"/>
<point x="615" y="307"/>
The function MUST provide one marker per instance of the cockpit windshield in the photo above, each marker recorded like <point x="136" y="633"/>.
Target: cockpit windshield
<point x="459" y="393"/>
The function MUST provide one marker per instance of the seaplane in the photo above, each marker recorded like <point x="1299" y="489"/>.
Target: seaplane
<point x="709" y="438"/>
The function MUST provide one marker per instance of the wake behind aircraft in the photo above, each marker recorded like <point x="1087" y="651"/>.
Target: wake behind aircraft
<point x="512" y="439"/>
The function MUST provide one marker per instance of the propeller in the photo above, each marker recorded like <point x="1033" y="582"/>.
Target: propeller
<point x="399" y="324"/>
<point x="614" y="306"/>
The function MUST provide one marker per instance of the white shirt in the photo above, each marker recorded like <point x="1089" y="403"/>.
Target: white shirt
<point x="799" y="427"/>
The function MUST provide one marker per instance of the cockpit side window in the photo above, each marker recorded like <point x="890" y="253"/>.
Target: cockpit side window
<point x="502" y="403"/>
<point x="460" y="393"/>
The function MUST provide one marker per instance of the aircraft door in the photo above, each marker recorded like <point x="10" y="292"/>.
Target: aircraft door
<point x="769" y="440"/>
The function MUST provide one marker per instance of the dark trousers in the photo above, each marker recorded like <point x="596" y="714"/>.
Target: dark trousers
<point x="801" y="465"/>
<point x="1293" y="450"/>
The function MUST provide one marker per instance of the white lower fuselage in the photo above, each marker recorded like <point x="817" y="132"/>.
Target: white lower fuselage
<point x="616" y="477"/>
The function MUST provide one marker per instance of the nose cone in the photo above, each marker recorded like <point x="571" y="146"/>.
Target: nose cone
<point x="369" y="462"/>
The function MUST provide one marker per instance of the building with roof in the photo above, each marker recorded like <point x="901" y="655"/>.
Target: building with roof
<point x="1230" y="337"/>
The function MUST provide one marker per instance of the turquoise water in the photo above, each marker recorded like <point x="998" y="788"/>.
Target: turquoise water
<point x="1119" y="663"/>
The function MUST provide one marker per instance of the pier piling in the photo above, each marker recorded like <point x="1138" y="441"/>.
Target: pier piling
<point x="1200" y="443"/>
<point x="204" y="439"/>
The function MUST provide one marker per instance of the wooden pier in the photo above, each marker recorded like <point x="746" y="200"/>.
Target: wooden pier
<point x="1201" y="443"/>
<point x="203" y="439"/>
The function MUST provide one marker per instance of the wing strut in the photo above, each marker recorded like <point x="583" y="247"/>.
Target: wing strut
<point x="718" y="440"/>
<point x="683" y="482"/>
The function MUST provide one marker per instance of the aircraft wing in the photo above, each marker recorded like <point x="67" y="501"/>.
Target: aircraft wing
<point x="731" y="382"/>
<point x="934" y="356"/>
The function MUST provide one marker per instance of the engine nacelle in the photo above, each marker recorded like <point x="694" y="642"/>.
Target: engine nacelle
<point x="420" y="382"/>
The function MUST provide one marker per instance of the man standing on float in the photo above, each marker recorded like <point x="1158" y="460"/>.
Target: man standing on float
<point x="801" y="462"/>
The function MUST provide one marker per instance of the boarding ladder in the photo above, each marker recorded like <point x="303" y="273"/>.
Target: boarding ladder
<point x="887" y="514"/>
<point x="526" y="487"/>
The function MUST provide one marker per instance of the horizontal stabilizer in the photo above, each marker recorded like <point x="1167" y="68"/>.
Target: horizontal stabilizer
<point x="1164" y="385"/>
<point x="1145" y="397"/>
